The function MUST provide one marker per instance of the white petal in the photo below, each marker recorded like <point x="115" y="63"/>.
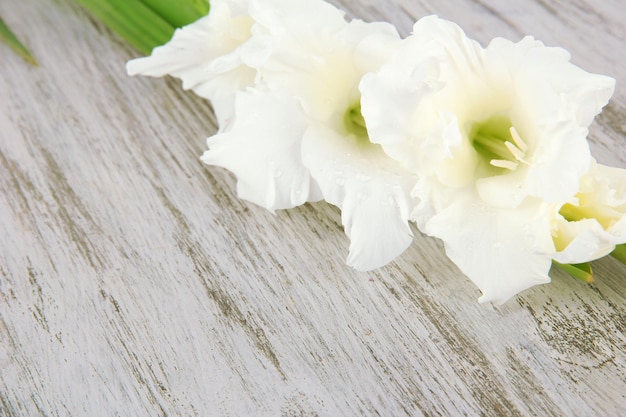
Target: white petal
<point x="559" y="161"/>
<point x="586" y="241"/>
<point x="605" y="185"/>
<point x="580" y="95"/>
<point x="371" y="190"/>
<point x="297" y="16"/>
<point x="204" y="54"/>
<point x="507" y="190"/>
<point x="389" y="99"/>
<point x="603" y="197"/>
<point x="307" y="49"/>
<point x="434" y="35"/>
<point x="502" y="251"/>
<point x="376" y="43"/>
<point x="263" y="150"/>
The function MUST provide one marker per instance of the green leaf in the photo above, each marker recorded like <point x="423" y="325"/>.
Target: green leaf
<point x="581" y="272"/>
<point x="179" y="13"/>
<point x="7" y="36"/>
<point x="146" y="24"/>
<point x="137" y="23"/>
<point x="619" y="253"/>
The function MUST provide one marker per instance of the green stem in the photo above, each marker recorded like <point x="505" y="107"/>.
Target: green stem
<point x="138" y="24"/>
<point x="619" y="253"/>
<point x="179" y="13"/>
<point x="581" y="272"/>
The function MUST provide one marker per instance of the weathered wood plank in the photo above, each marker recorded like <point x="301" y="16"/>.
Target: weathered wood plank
<point x="134" y="282"/>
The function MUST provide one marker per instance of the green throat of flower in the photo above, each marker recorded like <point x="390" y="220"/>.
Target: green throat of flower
<point x="497" y="141"/>
<point x="355" y="123"/>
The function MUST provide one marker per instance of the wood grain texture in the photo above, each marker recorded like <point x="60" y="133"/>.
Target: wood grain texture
<point x="133" y="282"/>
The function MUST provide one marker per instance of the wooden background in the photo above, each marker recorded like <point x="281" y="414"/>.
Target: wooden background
<point x="133" y="282"/>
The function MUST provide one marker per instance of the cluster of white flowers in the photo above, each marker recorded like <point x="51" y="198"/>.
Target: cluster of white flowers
<point x="484" y="148"/>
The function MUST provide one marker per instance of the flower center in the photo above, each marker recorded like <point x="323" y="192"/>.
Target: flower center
<point x="355" y="123"/>
<point x="497" y="140"/>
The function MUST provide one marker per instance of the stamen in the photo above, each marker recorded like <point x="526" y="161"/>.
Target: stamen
<point x="503" y="163"/>
<point x="518" y="139"/>
<point x="517" y="153"/>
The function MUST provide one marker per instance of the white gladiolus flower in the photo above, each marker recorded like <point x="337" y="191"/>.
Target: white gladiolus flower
<point x="302" y="125"/>
<point x="497" y="137"/>
<point x="205" y="56"/>
<point x="595" y="221"/>
<point x="485" y="148"/>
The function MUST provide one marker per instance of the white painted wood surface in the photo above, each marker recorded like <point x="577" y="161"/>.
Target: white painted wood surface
<point x="133" y="282"/>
